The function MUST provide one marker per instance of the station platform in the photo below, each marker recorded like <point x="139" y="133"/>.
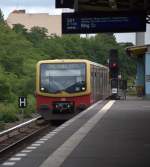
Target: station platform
<point x="108" y="134"/>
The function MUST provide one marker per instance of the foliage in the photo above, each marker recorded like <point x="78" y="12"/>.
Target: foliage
<point x="31" y="106"/>
<point x="7" y="113"/>
<point x="19" y="28"/>
<point x="22" y="49"/>
<point x="37" y="34"/>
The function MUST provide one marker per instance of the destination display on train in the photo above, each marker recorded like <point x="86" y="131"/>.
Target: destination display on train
<point x="96" y="22"/>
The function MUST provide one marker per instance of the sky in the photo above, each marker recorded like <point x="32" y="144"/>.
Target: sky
<point x="48" y="6"/>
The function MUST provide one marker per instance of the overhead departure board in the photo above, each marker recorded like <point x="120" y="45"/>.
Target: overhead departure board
<point x="96" y="22"/>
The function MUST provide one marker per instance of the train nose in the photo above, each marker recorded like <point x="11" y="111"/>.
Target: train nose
<point x="63" y="106"/>
<point x="82" y="107"/>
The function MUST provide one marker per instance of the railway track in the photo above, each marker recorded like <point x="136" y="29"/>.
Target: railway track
<point x="18" y="136"/>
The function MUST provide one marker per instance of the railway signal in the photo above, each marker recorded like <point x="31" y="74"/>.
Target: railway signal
<point x="113" y="64"/>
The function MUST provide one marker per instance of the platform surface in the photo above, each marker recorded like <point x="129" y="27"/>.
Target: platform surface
<point x="109" y="134"/>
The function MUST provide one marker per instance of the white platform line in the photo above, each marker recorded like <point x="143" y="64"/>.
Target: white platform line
<point x="53" y="132"/>
<point x="57" y="158"/>
<point x="9" y="163"/>
<point x="15" y="159"/>
<point x="35" y="145"/>
<point x="44" y="139"/>
<point x="31" y="148"/>
<point x="26" y="151"/>
<point x="48" y="135"/>
<point x="21" y="155"/>
<point x="40" y="142"/>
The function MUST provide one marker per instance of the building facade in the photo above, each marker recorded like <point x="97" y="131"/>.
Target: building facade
<point x="51" y="22"/>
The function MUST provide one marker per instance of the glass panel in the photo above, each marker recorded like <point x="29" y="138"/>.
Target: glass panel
<point x="62" y="77"/>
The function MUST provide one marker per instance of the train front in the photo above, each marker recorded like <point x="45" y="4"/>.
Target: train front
<point x="62" y="88"/>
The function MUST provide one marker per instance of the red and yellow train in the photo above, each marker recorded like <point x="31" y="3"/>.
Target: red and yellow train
<point x="64" y="87"/>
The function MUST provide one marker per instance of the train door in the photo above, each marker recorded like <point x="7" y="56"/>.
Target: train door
<point x="101" y="88"/>
<point x="92" y="84"/>
<point x="102" y="83"/>
<point x="105" y="83"/>
<point x="95" y="84"/>
<point x="99" y="83"/>
<point x="108" y="84"/>
<point x="96" y="80"/>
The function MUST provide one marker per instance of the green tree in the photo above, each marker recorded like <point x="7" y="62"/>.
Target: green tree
<point x="19" y="28"/>
<point x="4" y="86"/>
<point x="37" y="35"/>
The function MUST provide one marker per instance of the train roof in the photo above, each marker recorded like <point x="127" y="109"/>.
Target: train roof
<point x="72" y="61"/>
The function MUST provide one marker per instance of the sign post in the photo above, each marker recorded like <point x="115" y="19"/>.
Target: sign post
<point x="22" y="103"/>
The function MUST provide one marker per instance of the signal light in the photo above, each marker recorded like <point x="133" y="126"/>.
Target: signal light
<point x="113" y="63"/>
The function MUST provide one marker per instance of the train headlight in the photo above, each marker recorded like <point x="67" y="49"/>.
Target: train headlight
<point x="42" y="89"/>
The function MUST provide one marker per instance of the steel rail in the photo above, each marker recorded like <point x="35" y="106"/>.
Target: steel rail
<point x="9" y="146"/>
<point x="18" y="127"/>
<point x="14" y="137"/>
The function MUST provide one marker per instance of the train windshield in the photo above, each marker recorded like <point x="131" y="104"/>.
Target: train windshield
<point x="68" y="77"/>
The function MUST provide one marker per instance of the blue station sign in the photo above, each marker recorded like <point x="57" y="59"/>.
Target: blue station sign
<point x="96" y="22"/>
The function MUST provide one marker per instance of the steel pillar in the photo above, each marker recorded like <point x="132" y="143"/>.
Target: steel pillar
<point x="140" y="82"/>
<point x="147" y="74"/>
<point x="140" y="79"/>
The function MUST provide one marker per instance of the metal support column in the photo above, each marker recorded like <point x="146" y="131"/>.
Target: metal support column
<point x="147" y="73"/>
<point x="140" y="83"/>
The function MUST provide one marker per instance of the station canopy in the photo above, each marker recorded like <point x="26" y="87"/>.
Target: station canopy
<point x="136" y="51"/>
<point x="105" y="5"/>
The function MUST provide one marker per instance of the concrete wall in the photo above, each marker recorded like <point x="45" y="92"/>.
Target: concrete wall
<point x="52" y="23"/>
